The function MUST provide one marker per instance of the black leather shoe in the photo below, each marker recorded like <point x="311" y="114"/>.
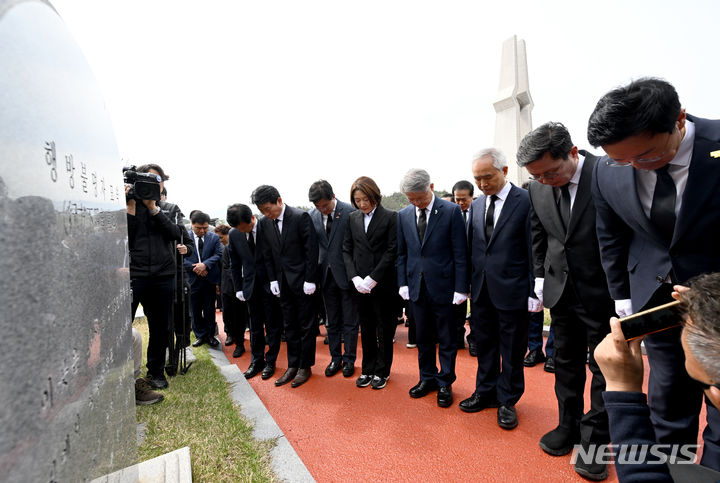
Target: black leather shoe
<point x="254" y="369"/>
<point x="333" y="368"/>
<point x="269" y="370"/>
<point x="157" y="382"/>
<point x="592" y="471"/>
<point x="549" y="365"/>
<point x="287" y="377"/>
<point x="213" y="342"/>
<point x="559" y="441"/>
<point x="348" y="369"/>
<point x="445" y="397"/>
<point x="301" y="378"/>
<point x="477" y="403"/>
<point x="199" y="342"/>
<point x="239" y="350"/>
<point x="229" y="340"/>
<point x="423" y="388"/>
<point x="507" y="417"/>
<point x="534" y="358"/>
<point x="472" y="349"/>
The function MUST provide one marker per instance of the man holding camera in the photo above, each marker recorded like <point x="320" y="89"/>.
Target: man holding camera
<point x="154" y="229"/>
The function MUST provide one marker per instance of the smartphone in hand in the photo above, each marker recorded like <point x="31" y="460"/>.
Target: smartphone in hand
<point x="652" y="320"/>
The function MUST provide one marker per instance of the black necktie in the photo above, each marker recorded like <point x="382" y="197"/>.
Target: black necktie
<point x="565" y="205"/>
<point x="328" y="225"/>
<point x="465" y="217"/>
<point x="490" y="218"/>
<point x="200" y="248"/>
<point x="422" y="224"/>
<point x="251" y="242"/>
<point x="662" y="211"/>
<point x="276" y="224"/>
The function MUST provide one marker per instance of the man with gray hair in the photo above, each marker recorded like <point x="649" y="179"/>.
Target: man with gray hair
<point x="621" y="362"/>
<point x="433" y="276"/>
<point x="501" y="288"/>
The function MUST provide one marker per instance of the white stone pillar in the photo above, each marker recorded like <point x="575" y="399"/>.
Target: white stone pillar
<point x="513" y="105"/>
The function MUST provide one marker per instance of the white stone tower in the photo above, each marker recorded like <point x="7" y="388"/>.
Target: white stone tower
<point x="513" y="105"/>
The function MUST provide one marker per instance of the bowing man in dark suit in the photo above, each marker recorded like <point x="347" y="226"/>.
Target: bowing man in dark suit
<point x="330" y="218"/>
<point x="203" y="268"/>
<point x="234" y="311"/>
<point x="500" y="258"/>
<point x="570" y="281"/>
<point x="253" y="286"/>
<point x="370" y="252"/>
<point x="290" y="251"/>
<point x="432" y="274"/>
<point x="658" y="223"/>
<point x="462" y="194"/>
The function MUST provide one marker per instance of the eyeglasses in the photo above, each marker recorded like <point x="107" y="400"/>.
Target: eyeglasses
<point x="640" y="161"/>
<point x="548" y="175"/>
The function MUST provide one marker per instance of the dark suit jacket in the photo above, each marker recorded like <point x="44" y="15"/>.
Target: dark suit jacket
<point x="373" y="253"/>
<point x="212" y="251"/>
<point x="635" y="257"/>
<point x="295" y="255"/>
<point x="330" y="249"/>
<point x="440" y="259"/>
<point x="248" y="271"/>
<point x="503" y="262"/>
<point x="558" y="252"/>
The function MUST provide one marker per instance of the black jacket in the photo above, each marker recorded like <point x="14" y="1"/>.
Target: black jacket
<point x="152" y="240"/>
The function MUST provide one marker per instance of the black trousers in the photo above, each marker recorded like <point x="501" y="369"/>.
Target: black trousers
<point x="378" y="321"/>
<point x="434" y="322"/>
<point x="675" y="399"/>
<point x="575" y="330"/>
<point x="265" y="325"/>
<point x="499" y="334"/>
<point x="300" y="327"/>
<point x="202" y="304"/>
<point x="341" y="320"/>
<point x="156" y="296"/>
<point x="235" y="317"/>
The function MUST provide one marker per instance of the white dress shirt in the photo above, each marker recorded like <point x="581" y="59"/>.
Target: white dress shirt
<point x="500" y="202"/>
<point x="575" y="180"/>
<point x="428" y="209"/>
<point x="368" y="218"/>
<point x="645" y="179"/>
<point x="197" y="247"/>
<point x="280" y="218"/>
<point x="332" y="213"/>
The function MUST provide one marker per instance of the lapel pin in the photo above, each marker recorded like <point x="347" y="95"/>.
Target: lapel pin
<point x="715" y="154"/>
<point x="435" y="212"/>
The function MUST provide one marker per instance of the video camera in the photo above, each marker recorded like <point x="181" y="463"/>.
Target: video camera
<point x="143" y="186"/>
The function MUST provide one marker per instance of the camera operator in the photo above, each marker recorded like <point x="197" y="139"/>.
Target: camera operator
<point x="154" y="229"/>
<point x="621" y="363"/>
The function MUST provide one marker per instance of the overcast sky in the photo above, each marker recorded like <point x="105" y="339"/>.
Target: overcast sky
<point x="230" y="94"/>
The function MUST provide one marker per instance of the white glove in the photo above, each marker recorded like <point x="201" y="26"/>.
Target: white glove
<point x="308" y="288"/>
<point x="240" y="296"/>
<point x="369" y="283"/>
<point x="404" y="292"/>
<point x="459" y="298"/>
<point x="539" y="283"/>
<point x="359" y="286"/>
<point x="275" y="288"/>
<point x="534" y="305"/>
<point x="623" y="308"/>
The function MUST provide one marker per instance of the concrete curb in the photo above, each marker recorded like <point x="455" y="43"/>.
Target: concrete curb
<point x="286" y="464"/>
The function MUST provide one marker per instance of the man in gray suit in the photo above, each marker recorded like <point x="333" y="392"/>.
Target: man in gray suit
<point x="330" y="220"/>
<point x="570" y="281"/>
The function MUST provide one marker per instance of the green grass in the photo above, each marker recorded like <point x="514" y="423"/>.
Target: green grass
<point x="198" y="412"/>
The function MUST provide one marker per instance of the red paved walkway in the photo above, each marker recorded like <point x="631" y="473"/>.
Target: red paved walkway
<point x="345" y="433"/>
